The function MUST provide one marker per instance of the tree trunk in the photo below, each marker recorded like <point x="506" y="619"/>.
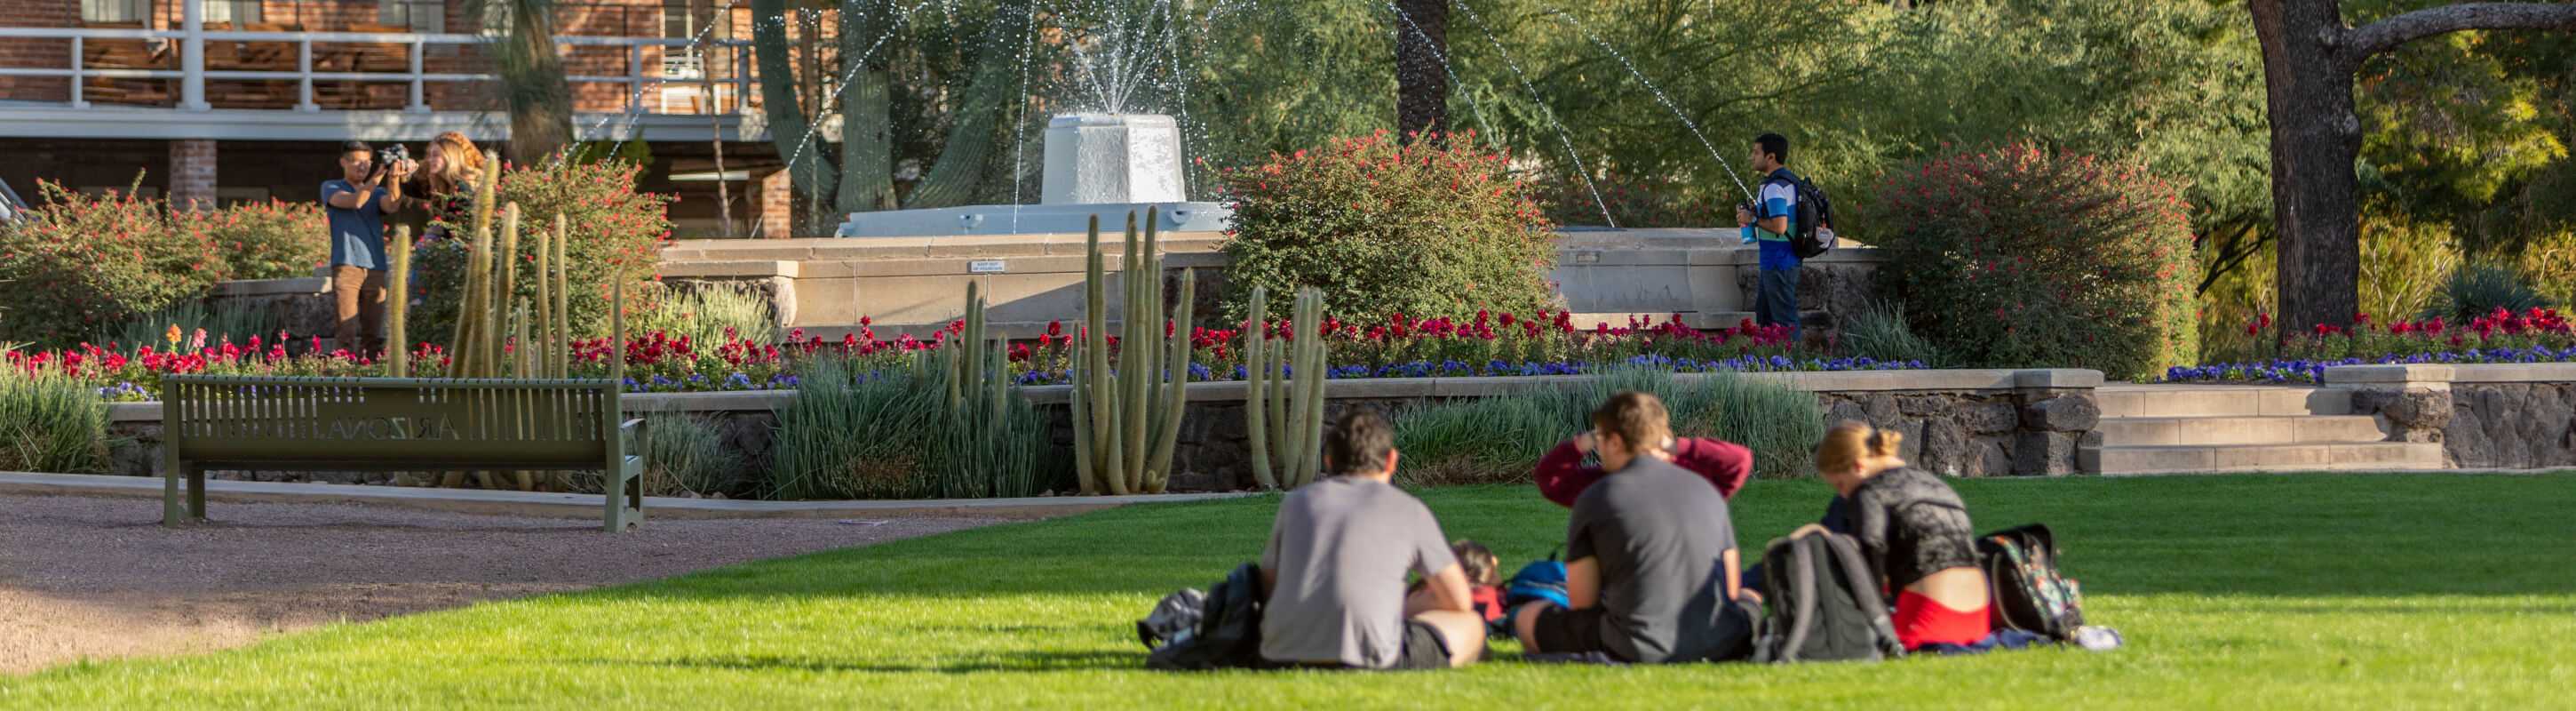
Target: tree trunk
<point x="1421" y="77"/>
<point x="532" y="75"/>
<point x="807" y="168"/>
<point x="867" y="142"/>
<point x="2316" y="138"/>
<point x="2309" y="59"/>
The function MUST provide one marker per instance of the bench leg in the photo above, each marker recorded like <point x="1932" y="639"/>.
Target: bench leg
<point x="197" y="494"/>
<point x="183" y="495"/>
<point x="625" y="485"/>
<point x="172" y="513"/>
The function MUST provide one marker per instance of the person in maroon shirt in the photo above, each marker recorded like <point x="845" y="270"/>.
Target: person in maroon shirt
<point x="1562" y="475"/>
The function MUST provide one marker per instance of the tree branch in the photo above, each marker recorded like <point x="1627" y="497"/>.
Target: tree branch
<point x="2384" y="35"/>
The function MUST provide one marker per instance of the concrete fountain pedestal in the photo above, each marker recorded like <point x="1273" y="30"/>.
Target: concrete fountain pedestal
<point x="1096" y="164"/>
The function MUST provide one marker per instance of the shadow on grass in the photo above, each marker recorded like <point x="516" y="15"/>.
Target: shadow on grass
<point x="1017" y="661"/>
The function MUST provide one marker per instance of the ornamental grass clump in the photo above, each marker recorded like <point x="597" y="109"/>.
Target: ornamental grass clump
<point x="1384" y="227"/>
<point x="2025" y="257"/>
<point x="1499" y="439"/>
<point x="685" y="455"/>
<point x="50" y="423"/>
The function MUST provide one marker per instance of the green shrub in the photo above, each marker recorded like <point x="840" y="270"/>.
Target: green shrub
<point x="707" y="311"/>
<point x="1384" y="228"/>
<point x="50" y="424"/>
<point x="264" y="240"/>
<point x="2479" y="289"/>
<point x="1500" y="439"/>
<point x="685" y="455"/>
<point x="230" y="321"/>
<point x="616" y="234"/>
<point x="2025" y="257"/>
<point x="80" y="264"/>
<point x="890" y="435"/>
<point x="1879" y="331"/>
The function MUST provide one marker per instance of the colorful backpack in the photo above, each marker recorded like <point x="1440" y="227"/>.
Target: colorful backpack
<point x="2030" y="593"/>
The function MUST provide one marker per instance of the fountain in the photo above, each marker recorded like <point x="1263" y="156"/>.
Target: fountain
<point x="1096" y="164"/>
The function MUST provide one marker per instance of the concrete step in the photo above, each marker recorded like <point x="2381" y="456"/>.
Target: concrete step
<point x="2170" y="431"/>
<point x="2370" y="456"/>
<point x="2220" y="401"/>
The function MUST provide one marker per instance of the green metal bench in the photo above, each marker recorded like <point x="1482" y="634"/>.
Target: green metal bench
<point x="395" y="424"/>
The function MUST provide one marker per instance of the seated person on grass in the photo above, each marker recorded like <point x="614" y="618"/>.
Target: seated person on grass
<point x="1334" y="571"/>
<point x="1562" y="475"/>
<point x="1650" y="554"/>
<point x="1915" y="531"/>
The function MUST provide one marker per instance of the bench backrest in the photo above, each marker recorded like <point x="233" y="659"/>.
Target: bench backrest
<point x="390" y="422"/>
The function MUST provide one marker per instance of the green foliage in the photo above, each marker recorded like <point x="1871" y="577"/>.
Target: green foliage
<point x="1383" y="228"/>
<point x="1500" y="439"/>
<point x="81" y="263"/>
<point x="1879" y="331"/>
<point x="707" y="312"/>
<point x="50" y="423"/>
<point x="893" y="435"/>
<point x="263" y="240"/>
<point x="230" y="322"/>
<point x="615" y="235"/>
<point x="2026" y="257"/>
<point x="686" y="455"/>
<point x="2480" y="289"/>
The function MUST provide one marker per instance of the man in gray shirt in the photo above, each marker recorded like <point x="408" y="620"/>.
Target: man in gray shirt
<point x="1334" y="571"/>
<point x="1650" y="553"/>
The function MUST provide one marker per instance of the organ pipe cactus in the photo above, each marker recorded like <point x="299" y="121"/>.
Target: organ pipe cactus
<point x="398" y="306"/>
<point x="1284" y="412"/>
<point x="1127" y="418"/>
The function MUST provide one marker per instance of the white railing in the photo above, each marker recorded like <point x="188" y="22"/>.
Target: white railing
<point x="193" y="75"/>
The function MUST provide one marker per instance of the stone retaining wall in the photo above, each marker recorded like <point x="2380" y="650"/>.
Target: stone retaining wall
<point x="2487" y="416"/>
<point x="1956" y="422"/>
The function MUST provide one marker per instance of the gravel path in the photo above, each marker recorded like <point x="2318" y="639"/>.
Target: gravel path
<point x="98" y="577"/>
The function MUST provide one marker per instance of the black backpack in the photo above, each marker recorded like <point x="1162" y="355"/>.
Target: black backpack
<point x="2030" y="593"/>
<point x="1228" y="635"/>
<point x="1822" y="603"/>
<point x="1813" y="211"/>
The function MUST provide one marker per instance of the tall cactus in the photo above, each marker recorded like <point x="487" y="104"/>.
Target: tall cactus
<point x="398" y="303"/>
<point x="1129" y="417"/>
<point x="1284" y="412"/>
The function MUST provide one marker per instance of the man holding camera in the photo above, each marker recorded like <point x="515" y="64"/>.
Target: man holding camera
<point x="369" y="187"/>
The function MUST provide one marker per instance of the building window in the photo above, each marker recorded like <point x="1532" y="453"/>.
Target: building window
<point x="426" y="16"/>
<point x="240" y="12"/>
<point x="115" y="11"/>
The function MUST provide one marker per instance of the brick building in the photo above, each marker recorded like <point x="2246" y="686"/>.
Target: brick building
<point x="253" y="102"/>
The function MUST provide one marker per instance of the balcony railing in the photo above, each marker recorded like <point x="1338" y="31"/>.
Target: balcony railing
<point x="192" y="74"/>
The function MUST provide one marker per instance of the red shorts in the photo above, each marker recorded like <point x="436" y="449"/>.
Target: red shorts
<point x="1921" y="620"/>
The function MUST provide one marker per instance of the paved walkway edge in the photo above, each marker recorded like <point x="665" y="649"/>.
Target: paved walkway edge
<point x="572" y="505"/>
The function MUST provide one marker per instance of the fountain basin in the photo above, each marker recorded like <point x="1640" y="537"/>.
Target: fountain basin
<point x="1096" y="164"/>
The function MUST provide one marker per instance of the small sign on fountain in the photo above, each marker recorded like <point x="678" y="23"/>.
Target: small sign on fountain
<point x="1096" y="164"/>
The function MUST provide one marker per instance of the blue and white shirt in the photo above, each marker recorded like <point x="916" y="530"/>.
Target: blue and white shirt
<point x="1779" y="198"/>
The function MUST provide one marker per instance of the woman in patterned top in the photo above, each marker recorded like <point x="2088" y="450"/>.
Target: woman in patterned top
<point x="1916" y="533"/>
<point x="453" y="165"/>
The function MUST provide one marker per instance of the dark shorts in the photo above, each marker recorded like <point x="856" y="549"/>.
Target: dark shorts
<point x="1562" y="631"/>
<point x="1424" y="648"/>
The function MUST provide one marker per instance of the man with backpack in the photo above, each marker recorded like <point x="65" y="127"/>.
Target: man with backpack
<point x="1650" y="554"/>
<point x="1791" y="222"/>
<point x="1334" y="570"/>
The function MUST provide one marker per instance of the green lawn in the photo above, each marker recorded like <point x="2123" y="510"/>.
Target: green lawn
<point x="2239" y="591"/>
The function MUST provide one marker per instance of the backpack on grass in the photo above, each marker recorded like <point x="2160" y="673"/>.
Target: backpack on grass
<point x="1822" y="603"/>
<point x="1227" y="632"/>
<point x="2030" y="593"/>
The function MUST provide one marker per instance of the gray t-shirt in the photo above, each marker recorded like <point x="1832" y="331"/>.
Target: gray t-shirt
<point x="357" y="233"/>
<point x="1340" y="548"/>
<point x="1657" y="531"/>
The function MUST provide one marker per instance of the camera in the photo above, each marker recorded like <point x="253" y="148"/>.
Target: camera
<point x="387" y="156"/>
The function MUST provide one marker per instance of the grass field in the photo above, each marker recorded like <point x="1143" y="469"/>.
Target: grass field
<point x="2238" y="591"/>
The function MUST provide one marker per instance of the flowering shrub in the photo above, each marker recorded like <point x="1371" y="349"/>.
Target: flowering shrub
<point x="2023" y="257"/>
<point x="1385" y="228"/>
<point x="80" y="264"/>
<point x="615" y="232"/>
<point x="264" y="240"/>
<point x="2535" y="335"/>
